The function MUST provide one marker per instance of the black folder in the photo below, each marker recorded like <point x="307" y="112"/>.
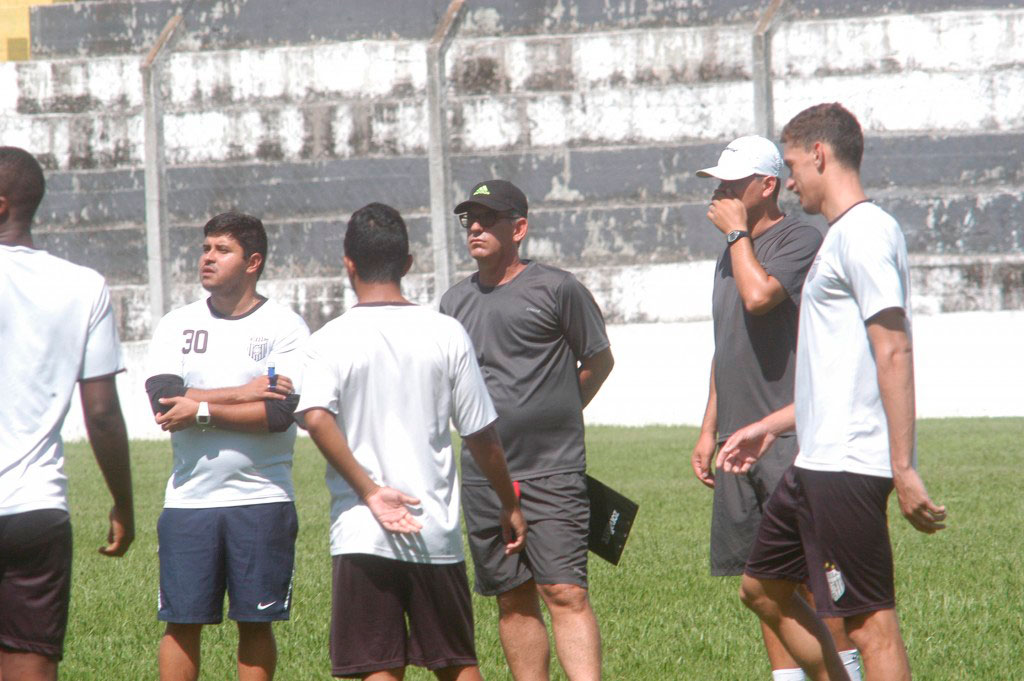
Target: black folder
<point x="611" y="518"/>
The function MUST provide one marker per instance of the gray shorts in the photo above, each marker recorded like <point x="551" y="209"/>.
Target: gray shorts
<point x="739" y="505"/>
<point x="557" y="513"/>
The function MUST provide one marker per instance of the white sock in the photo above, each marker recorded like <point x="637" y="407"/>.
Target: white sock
<point x="851" y="660"/>
<point x="788" y="675"/>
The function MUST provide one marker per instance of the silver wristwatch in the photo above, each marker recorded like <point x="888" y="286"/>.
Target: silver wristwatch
<point x="203" y="414"/>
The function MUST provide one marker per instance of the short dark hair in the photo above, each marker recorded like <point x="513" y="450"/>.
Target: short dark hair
<point x="21" y="181"/>
<point x="377" y="242"/>
<point x="830" y="123"/>
<point x="245" y="229"/>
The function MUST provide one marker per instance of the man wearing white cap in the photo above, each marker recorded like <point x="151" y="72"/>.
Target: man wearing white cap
<point x="754" y="306"/>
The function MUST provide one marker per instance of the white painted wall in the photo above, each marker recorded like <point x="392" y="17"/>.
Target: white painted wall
<point x="938" y="72"/>
<point x="966" y="363"/>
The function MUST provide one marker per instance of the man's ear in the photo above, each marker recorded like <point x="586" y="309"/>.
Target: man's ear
<point x="768" y="188"/>
<point x="5" y="209"/>
<point x="408" y="265"/>
<point x="255" y="261"/>
<point x="520" y="230"/>
<point x="350" y="267"/>
<point x="820" y="151"/>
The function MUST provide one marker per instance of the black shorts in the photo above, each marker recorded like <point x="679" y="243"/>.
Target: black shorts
<point x="248" y="551"/>
<point x="371" y="598"/>
<point x="738" y="506"/>
<point x="829" y="529"/>
<point x="557" y="513"/>
<point x="35" y="581"/>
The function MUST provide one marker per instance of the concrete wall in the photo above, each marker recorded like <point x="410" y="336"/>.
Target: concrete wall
<point x="130" y="26"/>
<point x="600" y="111"/>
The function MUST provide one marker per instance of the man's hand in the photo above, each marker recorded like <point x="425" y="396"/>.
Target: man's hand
<point x="744" y="448"/>
<point x="513" y="530"/>
<point x="915" y="504"/>
<point x="389" y="507"/>
<point x="703" y="453"/>
<point x="259" y="388"/>
<point x="180" y="416"/>
<point x="121" y="534"/>
<point x="727" y="212"/>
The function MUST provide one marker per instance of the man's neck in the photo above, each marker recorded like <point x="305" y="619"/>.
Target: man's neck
<point x="234" y="303"/>
<point x="841" y="193"/>
<point x="759" y="224"/>
<point x="15" y="234"/>
<point x="500" y="271"/>
<point x="377" y="292"/>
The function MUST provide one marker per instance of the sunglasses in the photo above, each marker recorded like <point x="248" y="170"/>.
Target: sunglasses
<point x="486" y="219"/>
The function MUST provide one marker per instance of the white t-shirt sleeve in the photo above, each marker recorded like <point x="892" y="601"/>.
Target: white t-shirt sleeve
<point x="472" y="409"/>
<point x="102" y="354"/>
<point x="165" y="350"/>
<point x="319" y="377"/>
<point x="873" y="268"/>
<point x="287" y="353"/>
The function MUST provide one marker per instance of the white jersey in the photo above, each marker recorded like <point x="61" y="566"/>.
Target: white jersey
<point x="57" y="327"/>
<point x="394" y="375"/>
<point x="218" y="467"/>
<point x="860" y="270"/>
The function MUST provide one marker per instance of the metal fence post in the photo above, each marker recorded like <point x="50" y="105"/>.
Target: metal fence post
<point x="764" y="107"/>
<point x="441" y="217"/>
<point x="156" y="189"/>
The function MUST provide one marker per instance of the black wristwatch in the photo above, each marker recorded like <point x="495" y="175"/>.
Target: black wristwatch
<point x="735" y="235"/>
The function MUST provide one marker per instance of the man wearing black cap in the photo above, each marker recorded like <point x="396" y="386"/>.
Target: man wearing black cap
<point x="542" y="346"/>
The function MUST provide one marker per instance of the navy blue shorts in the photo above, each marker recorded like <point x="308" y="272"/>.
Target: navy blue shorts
<point x="247" y="551"/>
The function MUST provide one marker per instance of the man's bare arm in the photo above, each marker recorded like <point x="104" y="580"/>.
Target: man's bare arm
<point x="247" y="417"/>
<point x="486" y="449"/>
<point x="256" y="407"/>
<point x="704" y="450"/>
<point x="256" y="390"/>
<point x="592" y="373"/>
<point x="746" y="445"/>
<point x="759" y="291"/>
<point x="108" y="437"/>
<point x="894" y="359"/>
<point x="389" y="506"/>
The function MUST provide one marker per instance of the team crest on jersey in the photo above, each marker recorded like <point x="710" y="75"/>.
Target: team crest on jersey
<point x="836" y="586"/>
<point x="258" y="346"/>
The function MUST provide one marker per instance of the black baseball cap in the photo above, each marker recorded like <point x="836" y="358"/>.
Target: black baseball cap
<point x="496" y="195"/>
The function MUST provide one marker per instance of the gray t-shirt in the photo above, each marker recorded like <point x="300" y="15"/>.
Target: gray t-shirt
<point x="529" y="335"/>
<point x="755" y="355"/>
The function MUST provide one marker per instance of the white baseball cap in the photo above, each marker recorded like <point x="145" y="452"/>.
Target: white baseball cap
<point x="746" y="156"/>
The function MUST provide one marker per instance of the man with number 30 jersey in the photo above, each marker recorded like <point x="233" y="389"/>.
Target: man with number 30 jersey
<point x="220" y="383"/>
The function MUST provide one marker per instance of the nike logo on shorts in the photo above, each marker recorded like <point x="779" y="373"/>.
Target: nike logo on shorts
<point x="262" y="606"/>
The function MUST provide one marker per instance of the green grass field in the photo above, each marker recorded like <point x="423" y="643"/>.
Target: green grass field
<point x="662" y="617"/>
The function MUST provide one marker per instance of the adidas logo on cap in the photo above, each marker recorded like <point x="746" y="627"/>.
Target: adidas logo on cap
<point x="499" y="195"/>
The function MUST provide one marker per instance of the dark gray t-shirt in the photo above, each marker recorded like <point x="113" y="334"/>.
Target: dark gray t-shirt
<point x="755" y="355"/>
<point x="529" y="335"/>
